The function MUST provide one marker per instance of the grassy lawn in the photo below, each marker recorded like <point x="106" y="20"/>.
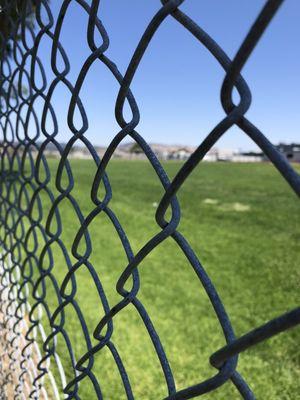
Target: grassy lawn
<point x="243" y="221"/>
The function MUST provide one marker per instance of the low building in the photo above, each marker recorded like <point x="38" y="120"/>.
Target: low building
<point x="179" y="154"/>
<point x="229" y="155"/>
<point x="211" y="155"/>
<point x="290" y="151"/>
<point x="226" y="154"/>
<point x="248" y="157"/>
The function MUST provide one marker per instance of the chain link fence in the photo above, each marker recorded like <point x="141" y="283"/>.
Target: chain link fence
<point x="29" y="234"/>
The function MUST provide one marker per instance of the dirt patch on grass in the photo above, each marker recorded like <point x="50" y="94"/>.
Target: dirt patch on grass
<point x="238" y="207"/>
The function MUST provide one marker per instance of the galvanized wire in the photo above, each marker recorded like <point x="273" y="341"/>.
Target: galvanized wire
<point x="24" y="275"/>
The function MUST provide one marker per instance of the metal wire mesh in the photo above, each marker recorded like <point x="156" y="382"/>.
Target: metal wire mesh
<point x="27" y="346"/>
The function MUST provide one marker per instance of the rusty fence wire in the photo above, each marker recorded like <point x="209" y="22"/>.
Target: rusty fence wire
<point x="28" y="236"/>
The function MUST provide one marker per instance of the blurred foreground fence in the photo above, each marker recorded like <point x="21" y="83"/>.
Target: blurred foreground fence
<point x="28" y="351"/>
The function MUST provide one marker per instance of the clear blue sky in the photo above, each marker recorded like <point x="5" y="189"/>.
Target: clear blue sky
<point x="178" y="83"/>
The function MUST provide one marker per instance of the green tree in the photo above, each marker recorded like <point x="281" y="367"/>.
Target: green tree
<point x="136" y="149"/>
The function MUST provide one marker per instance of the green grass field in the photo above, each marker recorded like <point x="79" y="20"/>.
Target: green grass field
<point x="243" y="221"/>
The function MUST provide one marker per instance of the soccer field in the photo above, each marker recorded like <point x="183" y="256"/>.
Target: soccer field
<point x="243" y="222"/>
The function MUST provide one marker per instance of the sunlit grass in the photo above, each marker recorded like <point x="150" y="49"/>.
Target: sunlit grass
<point x="243" y="223"/>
